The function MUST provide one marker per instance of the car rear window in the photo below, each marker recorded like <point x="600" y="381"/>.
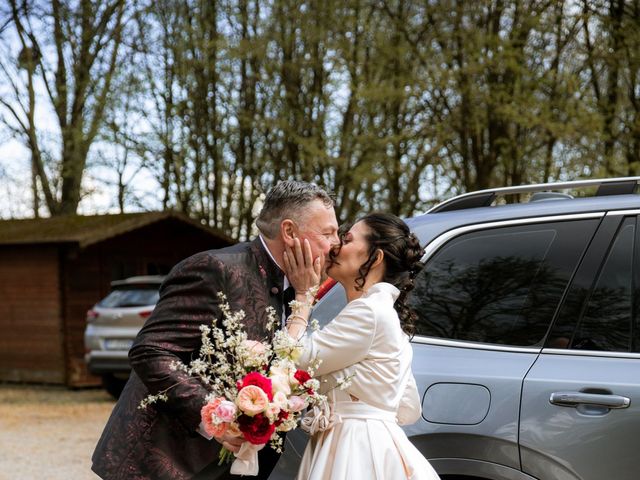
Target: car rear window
<point x="606" y="323"/>
<point x="500" y="285"/>
<point x="601" y="315"/>
<point x="130" y="297"/>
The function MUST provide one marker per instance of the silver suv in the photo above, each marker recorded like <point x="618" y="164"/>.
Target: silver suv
<point x="527" y="350"/>
<point x="112" y="325"/>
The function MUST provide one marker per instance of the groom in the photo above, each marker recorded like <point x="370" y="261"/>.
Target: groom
<point x="164" y="440"/>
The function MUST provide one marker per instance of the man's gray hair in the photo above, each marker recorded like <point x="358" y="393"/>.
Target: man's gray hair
<point x="288" y="199"/>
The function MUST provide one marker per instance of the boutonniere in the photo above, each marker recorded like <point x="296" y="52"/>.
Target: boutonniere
<point x="263" y="272"/>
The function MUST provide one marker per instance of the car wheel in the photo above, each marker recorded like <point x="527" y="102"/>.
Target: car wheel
<point x="113" y="385"/>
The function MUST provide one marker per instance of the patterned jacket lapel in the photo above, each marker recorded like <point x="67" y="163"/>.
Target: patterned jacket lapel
<point x="271" y="274"/>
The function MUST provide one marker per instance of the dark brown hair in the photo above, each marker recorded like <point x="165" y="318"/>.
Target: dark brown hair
<point x="402" y="255"/>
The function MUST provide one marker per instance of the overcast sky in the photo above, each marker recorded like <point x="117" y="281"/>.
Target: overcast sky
<point x="16" y="199"/>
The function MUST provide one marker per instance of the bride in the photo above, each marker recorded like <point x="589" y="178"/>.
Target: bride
<point x="367" y="346"/>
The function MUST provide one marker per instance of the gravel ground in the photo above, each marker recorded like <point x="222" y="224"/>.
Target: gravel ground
<point x="50" y="432"/>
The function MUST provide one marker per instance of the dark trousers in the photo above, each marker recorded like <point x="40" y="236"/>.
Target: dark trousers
<point x="267" y="458"/>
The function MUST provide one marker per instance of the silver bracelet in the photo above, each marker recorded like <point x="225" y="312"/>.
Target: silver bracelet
<point x="291" y="320"/>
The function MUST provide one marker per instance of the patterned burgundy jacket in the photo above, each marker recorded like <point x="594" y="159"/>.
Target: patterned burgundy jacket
<point x="161" y="442"/>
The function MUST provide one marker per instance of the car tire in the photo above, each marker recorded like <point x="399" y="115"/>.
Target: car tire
<point x="113" y="385"/>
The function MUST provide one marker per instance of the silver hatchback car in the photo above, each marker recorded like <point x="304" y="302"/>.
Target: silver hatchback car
<point x="527" y="348"/>
<point x="112" y="325"/>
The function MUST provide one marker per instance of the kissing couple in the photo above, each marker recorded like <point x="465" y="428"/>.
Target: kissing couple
<point x="375" y="260"/>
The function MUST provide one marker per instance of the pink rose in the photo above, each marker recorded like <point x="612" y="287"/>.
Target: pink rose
<point x="226" y="411"/>
<point x="212" y="424"/>
<point x="252" y="400"/>
<point x="296" y="403"/>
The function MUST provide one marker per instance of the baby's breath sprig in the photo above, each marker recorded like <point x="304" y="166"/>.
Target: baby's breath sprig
<point x="276" y="442"/>
<point x="151" y="399"/>
<point x="345" y="382"/>
<point x="272" y="319"/>
<point x="314" y="365"/>
<point x="311" y="294"/>
<point x="309" y="297"/>
<point x="286" y="346"/>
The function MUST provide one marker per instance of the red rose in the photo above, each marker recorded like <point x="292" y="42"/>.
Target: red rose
<point x="259" y="380"/>
<point x="282" y="416"/>
<point x="302" y="376"/>
<point x="257" y="429"/>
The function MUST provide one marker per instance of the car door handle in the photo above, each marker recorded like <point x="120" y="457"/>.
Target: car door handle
<point x="573" y="399"/>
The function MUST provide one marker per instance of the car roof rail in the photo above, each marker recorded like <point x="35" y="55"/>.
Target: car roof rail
<point x="485" y="198"/>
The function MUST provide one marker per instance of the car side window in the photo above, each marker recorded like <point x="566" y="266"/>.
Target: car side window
<point x="499" y="285"/>
<point x="606" y="324"/>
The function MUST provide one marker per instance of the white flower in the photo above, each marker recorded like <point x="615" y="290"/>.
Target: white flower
<point x="272" y="318"/>
<point x="280" y="383"/>
<point x="286" y="347"/>
<point x="313" y="384"/>
<point x="272" y="412"/>
<point x="281" y="400"/>
<point x="276" y="443"/>
<point x="345" y="382"/>
<point x="289" y="424"/>
<point x="253" y="354"/>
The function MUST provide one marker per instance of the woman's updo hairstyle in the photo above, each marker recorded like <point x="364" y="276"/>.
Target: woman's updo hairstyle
<point x="402" y="255"/>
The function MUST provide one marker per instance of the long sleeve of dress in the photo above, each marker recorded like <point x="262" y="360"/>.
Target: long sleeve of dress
<point x="410" y="409"/>
<point x="342" y="342"/>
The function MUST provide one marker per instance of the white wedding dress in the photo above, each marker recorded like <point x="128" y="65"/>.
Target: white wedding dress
<point x="365" y="440"/>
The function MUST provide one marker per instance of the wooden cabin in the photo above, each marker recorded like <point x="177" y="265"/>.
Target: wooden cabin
<point x="52" y="270"/>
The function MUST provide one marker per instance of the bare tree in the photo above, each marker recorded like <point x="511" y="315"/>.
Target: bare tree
<point x="67" y="58"/>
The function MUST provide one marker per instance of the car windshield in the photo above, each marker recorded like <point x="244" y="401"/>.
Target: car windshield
<point x="131" y="297"/>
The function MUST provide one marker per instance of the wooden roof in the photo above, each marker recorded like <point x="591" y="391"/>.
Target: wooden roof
<point x="88" y="229"/>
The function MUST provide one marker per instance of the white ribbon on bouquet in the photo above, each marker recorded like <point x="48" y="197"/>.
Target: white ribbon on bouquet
<point x="246" y="461"/>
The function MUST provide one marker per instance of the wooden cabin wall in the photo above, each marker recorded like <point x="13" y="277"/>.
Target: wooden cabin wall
<point x="31" y="335"/>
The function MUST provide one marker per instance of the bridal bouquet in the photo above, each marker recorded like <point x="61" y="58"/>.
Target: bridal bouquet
<point x="255" y="388"/>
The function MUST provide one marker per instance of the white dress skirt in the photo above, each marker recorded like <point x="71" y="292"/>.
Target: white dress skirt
<point x="365" y="343"/>
<point x="365" y="443"/>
